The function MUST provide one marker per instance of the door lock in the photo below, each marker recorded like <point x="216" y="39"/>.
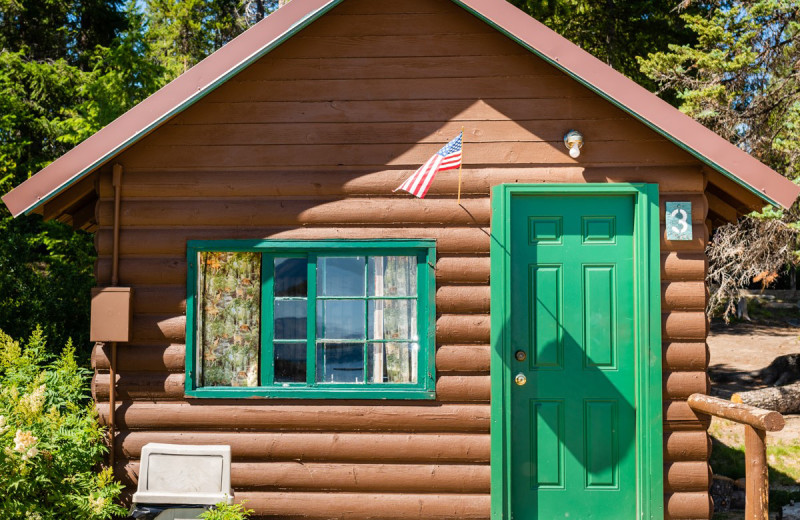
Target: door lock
<point x="520" y="379"/>
<point x="520" y="355"/>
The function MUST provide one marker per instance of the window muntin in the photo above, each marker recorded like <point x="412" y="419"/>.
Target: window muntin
<point x="348" y="319"/>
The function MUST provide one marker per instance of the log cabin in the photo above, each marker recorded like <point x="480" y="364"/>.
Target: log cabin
<point x="261" y="285"/>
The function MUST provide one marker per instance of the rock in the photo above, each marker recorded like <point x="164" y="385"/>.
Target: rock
<point x="791" y="512"/>
<point x="722" y="493"/>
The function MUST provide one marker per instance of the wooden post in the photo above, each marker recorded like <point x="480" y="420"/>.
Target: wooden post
<point x="756" y="474"/>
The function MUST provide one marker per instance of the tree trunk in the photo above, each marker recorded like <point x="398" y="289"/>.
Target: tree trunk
<point x="783" y="399"/>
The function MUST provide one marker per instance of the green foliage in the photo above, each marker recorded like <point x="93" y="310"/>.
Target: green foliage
<point x="740" y="77"/>
<point x="183" y="32"/>
<point x="50" y="442"/>
<point x="223" y="511"/>
<point x="615" y="31"/>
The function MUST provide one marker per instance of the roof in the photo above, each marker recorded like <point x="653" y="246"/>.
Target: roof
<point x="194" y="84"/>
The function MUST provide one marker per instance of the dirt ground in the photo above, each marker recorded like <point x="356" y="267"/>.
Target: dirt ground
<point x="738" y="351"/>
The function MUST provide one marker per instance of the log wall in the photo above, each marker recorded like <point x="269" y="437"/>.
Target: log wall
<point x="307" y="144"/>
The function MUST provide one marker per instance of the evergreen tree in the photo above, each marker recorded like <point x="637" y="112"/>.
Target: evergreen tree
<point x="741" y="80"/>
<point x="615" y="31"/>
<point x="66" y="70"/>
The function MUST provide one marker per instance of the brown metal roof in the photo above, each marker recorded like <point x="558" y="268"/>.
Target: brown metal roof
<point x="282" y="24"/>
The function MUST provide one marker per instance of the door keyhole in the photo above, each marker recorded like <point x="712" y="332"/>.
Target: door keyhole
<point x="521" y="355"/>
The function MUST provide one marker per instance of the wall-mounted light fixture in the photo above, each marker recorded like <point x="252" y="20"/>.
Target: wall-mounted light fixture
<point x="574" y="141"/>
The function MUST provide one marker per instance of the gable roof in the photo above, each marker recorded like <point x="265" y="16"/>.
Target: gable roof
<point x="194" y="84"/>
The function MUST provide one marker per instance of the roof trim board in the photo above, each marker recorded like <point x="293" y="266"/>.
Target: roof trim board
<point x="263" y="37"/>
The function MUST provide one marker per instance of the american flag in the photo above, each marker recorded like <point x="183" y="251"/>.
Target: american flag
<point x="447" y="158"/>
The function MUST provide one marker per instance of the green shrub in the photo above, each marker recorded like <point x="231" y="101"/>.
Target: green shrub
<point x="51" y="445"/>
<point x="223" y="511"/>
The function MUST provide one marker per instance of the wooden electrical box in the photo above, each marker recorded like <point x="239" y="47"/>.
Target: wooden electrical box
<point x="111" y="314"/>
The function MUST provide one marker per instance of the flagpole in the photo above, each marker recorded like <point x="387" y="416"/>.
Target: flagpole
<point x="460" y="164"/>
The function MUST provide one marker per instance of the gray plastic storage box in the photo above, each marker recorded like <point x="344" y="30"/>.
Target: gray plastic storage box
<point x="181" y="475"/>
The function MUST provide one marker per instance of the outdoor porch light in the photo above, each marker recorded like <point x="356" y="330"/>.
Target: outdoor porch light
<point x="574" y="141"/>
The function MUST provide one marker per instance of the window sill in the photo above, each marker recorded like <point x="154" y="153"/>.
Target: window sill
<point x="393" y="393"/>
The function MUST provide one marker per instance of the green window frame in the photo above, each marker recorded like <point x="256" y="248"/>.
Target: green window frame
<point x="312" y="250"/>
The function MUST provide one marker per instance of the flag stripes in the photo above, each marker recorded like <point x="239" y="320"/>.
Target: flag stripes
<point x="448" y="158"/>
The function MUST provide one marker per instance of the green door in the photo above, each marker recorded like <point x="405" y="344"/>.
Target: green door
<point x="572" y="358"/>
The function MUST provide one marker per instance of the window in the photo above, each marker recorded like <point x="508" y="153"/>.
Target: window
<point x="337" y="319"/>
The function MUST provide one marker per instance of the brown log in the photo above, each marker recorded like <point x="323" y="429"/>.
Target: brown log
<point x="451" y="270"/>
<point x="335" y="24"/>
<point x="721" y="208"/>
<point x="688" y="506"/>
<point x="163" y="185"/>
<point x="161" y="386"/>
<point x="463" y="358"/>
<point x="696" y="245"/>
<point x="758" y="418"/>
<point x="360" y="478"/>
<point x="459" y="388"/>
<point x="458" y="299"/>
<point x="411" y="111"/>
<point x="139" y="385"/>
<point x="172" y="241"/>
<point x="379" y="89"/>
<point x="683" y="296"/>
<point x="310" y="416"/>
<point x="303" y="212"/>
<point x="781" y="399"/>
<point x="266" y="133"/>
<point x="268" y="68"/>
<point x="687" y="476"/>
<point x="680" y="266"/>
<point x="362" y="506"/>
<point x="684" y="325"/>
<point x="324" y="447"/>
<point x="401" y="155"/>
<point x="688" y="356"/>
<point x="678" y="416"/>
<point x="687" y="446"/>
<point x="450" y="328"/>
<point x="680" y="385"/>
<point x="386" y="45"/>
<point x="756" y="474"/>
<point x="170" y="358"/>
<point x="463" y="328"/>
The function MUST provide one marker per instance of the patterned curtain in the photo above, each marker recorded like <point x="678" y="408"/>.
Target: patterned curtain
<point x="229" y="310"/>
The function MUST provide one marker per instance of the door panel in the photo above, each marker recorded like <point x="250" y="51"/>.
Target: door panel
<point x="572" y="423"/>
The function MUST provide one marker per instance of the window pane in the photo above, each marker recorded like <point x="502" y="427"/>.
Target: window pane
<point x="340" y="319"/>
<point x="393" y="362"/>
<point x="290" y="319"/>
<point x="291" y="277"/>
<point x="340" y="276"/>
<point x="340" y="363"/>
<point x="392" y="276"/>
<point x="228" y="329"/>
<point x="393" y="319"/>
<point x="290" y="362"/>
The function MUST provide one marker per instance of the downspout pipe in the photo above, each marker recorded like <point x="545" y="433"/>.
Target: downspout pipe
<point x="116" y="181"/>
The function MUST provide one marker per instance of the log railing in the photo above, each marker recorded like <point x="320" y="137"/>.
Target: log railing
<point x="757" y="423"/>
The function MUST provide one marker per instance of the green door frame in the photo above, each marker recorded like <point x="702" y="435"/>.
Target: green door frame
<point x="647" y="324"/>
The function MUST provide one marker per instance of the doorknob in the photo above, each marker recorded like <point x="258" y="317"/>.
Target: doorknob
<point x="520" y="379"/>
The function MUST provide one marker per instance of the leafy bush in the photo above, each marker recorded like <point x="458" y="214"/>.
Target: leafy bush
<point x="51" y="445"/>
<point x="223" y="511"/>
